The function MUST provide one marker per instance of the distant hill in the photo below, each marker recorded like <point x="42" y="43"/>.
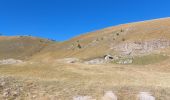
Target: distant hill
<point x="21" y="47"/>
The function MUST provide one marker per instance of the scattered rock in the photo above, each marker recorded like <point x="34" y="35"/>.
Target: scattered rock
<point x="10" y="61"/>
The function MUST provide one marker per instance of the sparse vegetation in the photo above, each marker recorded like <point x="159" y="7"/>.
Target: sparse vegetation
<point x="78" y="41"/>
<point x="79" y="46"/>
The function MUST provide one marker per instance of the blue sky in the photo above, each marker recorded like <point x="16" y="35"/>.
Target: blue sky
<point x="64" y="19"/>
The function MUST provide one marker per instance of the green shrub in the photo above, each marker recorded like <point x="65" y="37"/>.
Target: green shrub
<point x="79" y="46"/>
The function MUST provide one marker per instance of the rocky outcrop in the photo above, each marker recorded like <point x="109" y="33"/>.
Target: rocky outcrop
<point x="141" y="47"/>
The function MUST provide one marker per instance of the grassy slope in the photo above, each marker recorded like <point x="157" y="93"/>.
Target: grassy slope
<point x="21" y="47"/>
<point x="153" y="29"/>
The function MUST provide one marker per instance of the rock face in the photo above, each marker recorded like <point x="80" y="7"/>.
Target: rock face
<point x="141" y="47"/>
<point x="10" y="61"/>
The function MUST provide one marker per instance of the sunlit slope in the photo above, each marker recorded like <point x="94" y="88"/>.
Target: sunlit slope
<point x="102" y="42"/>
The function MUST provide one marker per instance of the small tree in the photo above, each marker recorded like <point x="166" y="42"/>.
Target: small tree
<point x="121" y="30"/>
<point x="79" y="46"/>
<point x="123" y="39"/>
<point x="117" y="34"/>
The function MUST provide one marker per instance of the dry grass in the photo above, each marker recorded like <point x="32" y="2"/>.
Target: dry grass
<point x="149" y="59"/>
<point x="105" y="38"/>
<point x="21" y="47"/>
<point x="70" y="80"/>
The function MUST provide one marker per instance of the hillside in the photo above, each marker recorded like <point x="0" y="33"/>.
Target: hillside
<point x="124" y="62"/>
<point x="140" y="38"/>
<point x="21" y="47"/>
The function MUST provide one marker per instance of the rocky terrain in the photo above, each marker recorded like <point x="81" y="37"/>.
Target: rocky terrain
<point x="142" y="47"/>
